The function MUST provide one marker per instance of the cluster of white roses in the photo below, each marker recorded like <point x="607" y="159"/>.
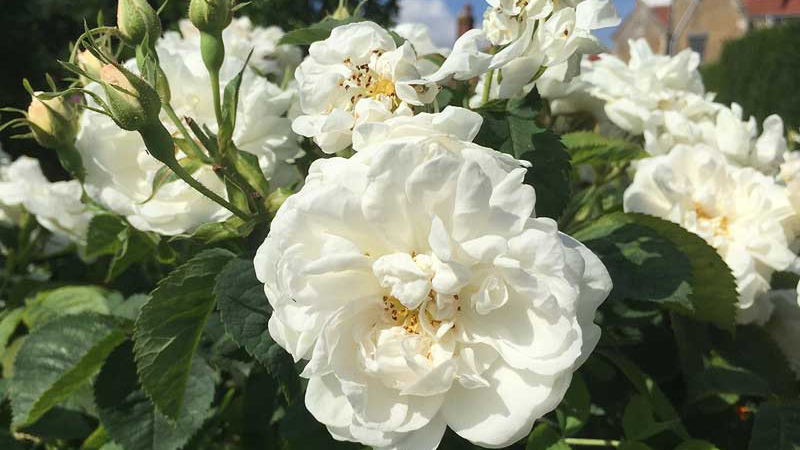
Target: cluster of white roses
<point x="414" y="276"/>
<point x="120" y="172"/>
<point x="57" y="206"/>
<point x="710" y="171"/>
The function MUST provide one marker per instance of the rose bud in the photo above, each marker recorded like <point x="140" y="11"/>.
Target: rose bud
<point x="136" y="19"/>
<point x="134" y="103"/>
<point x="53" y="122"/>
<point x="211" y="16"/>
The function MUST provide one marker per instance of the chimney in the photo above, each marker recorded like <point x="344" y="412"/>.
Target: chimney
<point x="465" y="20"/>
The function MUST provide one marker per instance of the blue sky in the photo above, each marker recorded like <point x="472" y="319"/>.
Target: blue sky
<point x="441" y="15"/>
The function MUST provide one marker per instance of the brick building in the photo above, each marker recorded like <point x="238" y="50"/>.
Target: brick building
<point x="703" y="25"/>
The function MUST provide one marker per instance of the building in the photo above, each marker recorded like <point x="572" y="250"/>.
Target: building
<point x="703" y="25"/>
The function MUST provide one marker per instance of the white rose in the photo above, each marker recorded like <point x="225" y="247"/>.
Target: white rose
<point x="740" y="212"/>
<point x="358" y="62"/>
<point x="424" y="294"/>
<point x="57" y="206"/>
<point x="784" y="326"/>
<point x="120" y="172"/>
<point x="535" y="38"/>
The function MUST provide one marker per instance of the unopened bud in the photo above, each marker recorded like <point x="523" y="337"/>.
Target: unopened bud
<point x="90" y="64"/>
<point x="134" y="104"/>
<point x="53" y="122"/>
<point x="137" y="20"/>
<point x="341" y="12"/>
<point x="211" y="16"/>
<point x="276" y="199"/>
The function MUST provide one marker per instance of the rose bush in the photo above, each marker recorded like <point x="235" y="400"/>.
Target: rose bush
<point x="345" y="236"/>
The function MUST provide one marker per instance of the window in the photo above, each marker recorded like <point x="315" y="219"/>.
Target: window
<point x="697" y="42"/>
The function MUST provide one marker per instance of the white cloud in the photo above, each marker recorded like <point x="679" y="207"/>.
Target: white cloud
<point x="433" y="13"/>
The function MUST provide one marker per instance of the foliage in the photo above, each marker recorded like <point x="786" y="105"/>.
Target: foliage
<point x="145" y="342"/>
<point x="739" y="74"/>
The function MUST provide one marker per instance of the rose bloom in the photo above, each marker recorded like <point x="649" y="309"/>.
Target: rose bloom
<point x="532" y="36"/>
<point x="742" y="213"/>
<point x="415" y="280"/>
<point x="120" y="172"/>
<point x="56" y="206"/>
<point x="355" y="76"/>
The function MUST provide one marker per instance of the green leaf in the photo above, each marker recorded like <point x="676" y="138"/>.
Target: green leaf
<point x="317" y="32"/>
<point x="545" y="438"/>
<point x="112" y="235"/>
<point x="509" y="127"/>
<point x="632" y="445"/>
<point x="9" y="320"/>
<point x="248" y="167"/>
<point x="244" y="308"/>
<point x="682" y="271"/>
<point x="131" y="419"/>
<point x="57" y="359"/>
<point x="573" y="412"/>
<point x="719" y="380"/>
<point x="592" y="148"/>
<point x="753" y="350"/>
<point x="47" y="306"/>
<point x="696" y="444"/>
<point x="230" y="103"/>
<point x="212" y="233"/>
<point x="638" y="420"/>
<point x="169" y="328"/>
<point x="777" y="427"/>
<point x="646" y="386"/>
<point x="281" y="366"/>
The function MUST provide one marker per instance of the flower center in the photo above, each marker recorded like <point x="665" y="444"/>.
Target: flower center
<point x="716" y="226"/>
<point x="364" y="82"/>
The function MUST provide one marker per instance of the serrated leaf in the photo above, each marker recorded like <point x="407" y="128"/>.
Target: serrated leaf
<point x="131" y="419"/>
<point x="47" y="306"/>
<point x="777" y="427"/>
<point x="244" y="308"/>
<point x="169" y="327"/>
<point x="545" y="438"/>
<point x="317" y="32"/>
<point x="57" y="359"/>
<point x="682" y="271"/>
<point x="592" y="148"/>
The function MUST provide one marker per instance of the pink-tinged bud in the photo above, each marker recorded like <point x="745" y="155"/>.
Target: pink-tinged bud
<point x="137" y="20"/>
<point x="53" y="122"/>
<point x="90" y="64"/>
<point x="134" y="104"/>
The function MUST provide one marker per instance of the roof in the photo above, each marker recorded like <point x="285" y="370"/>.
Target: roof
<point x="772" y="7"/>
<point x="661" y="13"/>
